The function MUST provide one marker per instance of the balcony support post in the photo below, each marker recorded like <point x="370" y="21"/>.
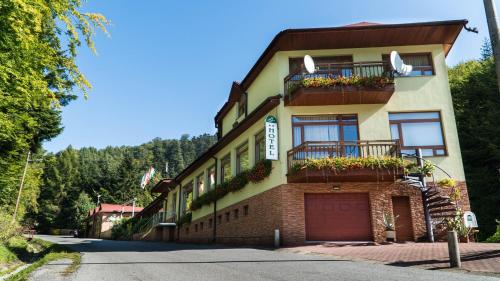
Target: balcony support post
<point x="428" y="220"/>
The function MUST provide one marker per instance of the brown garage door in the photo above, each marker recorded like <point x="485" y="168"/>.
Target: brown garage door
<point x="337" y="217"/>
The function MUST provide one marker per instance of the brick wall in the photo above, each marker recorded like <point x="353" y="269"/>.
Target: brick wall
<point x="282" y="207"/>
<point x="380" y="196"/>
<point x="252" y="227"/>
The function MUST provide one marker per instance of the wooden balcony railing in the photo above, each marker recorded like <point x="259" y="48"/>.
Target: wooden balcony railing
<point x="336" y="70"/>
<point x="356" y="149"/>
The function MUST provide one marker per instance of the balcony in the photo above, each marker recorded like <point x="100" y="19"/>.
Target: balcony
<point x="345" y="161"/>
<point x="163" y="219"/>
<point x="341" y="83"/>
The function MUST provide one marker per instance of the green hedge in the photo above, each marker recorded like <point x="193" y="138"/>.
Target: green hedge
<point x="260" y="171"/>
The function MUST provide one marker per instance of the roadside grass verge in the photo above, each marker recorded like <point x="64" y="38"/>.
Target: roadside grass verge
<point x="48" y="252"/>
<point x="8" y="261"/>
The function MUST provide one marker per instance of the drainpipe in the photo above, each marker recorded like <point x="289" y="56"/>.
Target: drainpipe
<point x="214" y="220"/>
<point x="428" y="222"/>
<point x="179" y="211"/>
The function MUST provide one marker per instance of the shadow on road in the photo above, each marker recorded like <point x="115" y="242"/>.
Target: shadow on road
<point x="204" y="262"/>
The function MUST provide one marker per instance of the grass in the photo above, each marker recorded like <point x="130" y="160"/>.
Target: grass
<point x="39" y="252"/>
<point x="8" y="260"/>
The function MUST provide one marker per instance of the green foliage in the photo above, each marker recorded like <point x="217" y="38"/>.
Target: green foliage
<point x="38" y="72"/>
<point x="495" y="238"/>
<point x="344" y="163"/>
<point x="447" y="182"/>
<point x="6" y="256"/>
<point x="8" y="228"/>
<point x="44" y="253"/>
<point x="186" y="218"/>
<point x="356" y="81"/>
<point x="259" y="172"/>
<point x="389" y="222"/>
<point x="73" y="178"/>
<point x="125" y="228"/>
<point x="427" y="169"/>
<point x="476" y="102"/>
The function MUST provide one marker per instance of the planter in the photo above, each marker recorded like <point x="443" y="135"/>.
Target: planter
<point x="390" y="235"/>
<point x="464" y="239"/>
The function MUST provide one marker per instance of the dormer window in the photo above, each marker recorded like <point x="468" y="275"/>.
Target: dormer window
<point x="242" y="105"/>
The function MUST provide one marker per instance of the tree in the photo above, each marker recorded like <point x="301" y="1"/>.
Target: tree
<point x="37" y="75"/>
<point x="477" y="108"/>
<point x="73" y="178"/>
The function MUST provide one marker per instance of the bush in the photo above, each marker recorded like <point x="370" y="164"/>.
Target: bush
<point x="495" y="238"/>
<point x="8" y="228"/>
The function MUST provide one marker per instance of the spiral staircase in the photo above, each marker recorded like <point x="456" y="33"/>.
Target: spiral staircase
<point x="440" y="206"/>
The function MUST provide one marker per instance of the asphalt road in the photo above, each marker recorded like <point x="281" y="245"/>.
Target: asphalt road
<point x="124" y="260"/>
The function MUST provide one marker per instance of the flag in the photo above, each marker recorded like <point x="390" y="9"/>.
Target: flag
<point x="143" y="180"/>
<point x="146" y="178"/>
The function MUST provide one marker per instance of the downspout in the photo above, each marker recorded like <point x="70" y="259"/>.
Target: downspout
<point x="214" y="239"/>
<point x="179" y="211"/>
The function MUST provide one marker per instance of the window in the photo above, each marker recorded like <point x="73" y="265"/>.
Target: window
<point x="219" y="219"/>
<point x="242" y="105"/>
<point x="322" y="64"/>
<point x="245" y="210"/>
<point x="210" y="223"/>
<point x="260" y="146"/>
<point x="422" y="63"/>
<point x="200" y="184"/>
<point x="174" y="203"/>
<point x="196" y="228"/>
<point x="242" y="163"/>
<point x="187" y="230"/>
<point x="236" y="213"/>
<point x="324" y="128"/>
<point x="225" y="168"/>
<point x="228" y="215"/>
<point x="201" y="226"/>
<point x="187" y="197"/>
<point x="418" y="130"/>
<point x="211" y="177"/>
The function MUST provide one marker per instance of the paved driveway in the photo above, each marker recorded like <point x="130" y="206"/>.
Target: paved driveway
<point x="123" y="260"/>
<point x="477" y="257"/>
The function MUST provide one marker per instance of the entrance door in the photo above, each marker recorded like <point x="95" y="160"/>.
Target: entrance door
<point x="401" y="209"/>
<point x="337" y="217"/>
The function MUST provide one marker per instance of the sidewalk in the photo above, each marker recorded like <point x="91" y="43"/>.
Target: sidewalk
<point x="476" y="257"/>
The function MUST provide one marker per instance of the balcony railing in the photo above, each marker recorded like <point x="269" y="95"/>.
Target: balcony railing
<point x="355" y="149"/>
<point x="162" y="217"/>
<point x="334" y="71"/>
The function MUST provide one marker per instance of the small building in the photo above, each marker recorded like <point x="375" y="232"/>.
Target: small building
<point x="100" y="220"/>
<point x="313" y="151"/>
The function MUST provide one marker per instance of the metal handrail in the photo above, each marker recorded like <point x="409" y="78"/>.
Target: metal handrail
<point x="162" y="217"/>
<point x="335" y="70"/>
<point x="352" y="149"/>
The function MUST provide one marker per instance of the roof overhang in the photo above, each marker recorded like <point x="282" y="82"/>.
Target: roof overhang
<point x="358" y="36"/>
<point x="254" y="116"/>
<point x="162" y="186"/>
<point x="234" y="96"/>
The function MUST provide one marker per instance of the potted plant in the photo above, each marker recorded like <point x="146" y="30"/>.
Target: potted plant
<point x="389" y="223"/>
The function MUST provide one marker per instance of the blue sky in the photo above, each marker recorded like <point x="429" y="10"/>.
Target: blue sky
<point x="168" y="66"/>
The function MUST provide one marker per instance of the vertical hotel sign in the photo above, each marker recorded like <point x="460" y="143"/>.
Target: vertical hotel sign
<point x="271" y="138"/>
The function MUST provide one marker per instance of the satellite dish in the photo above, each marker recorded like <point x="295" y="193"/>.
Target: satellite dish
<point x="398" y="65"/>
<point x="309" y="64"/>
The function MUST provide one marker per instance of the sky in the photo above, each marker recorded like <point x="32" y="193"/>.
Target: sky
<point x="167" y="66"/>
